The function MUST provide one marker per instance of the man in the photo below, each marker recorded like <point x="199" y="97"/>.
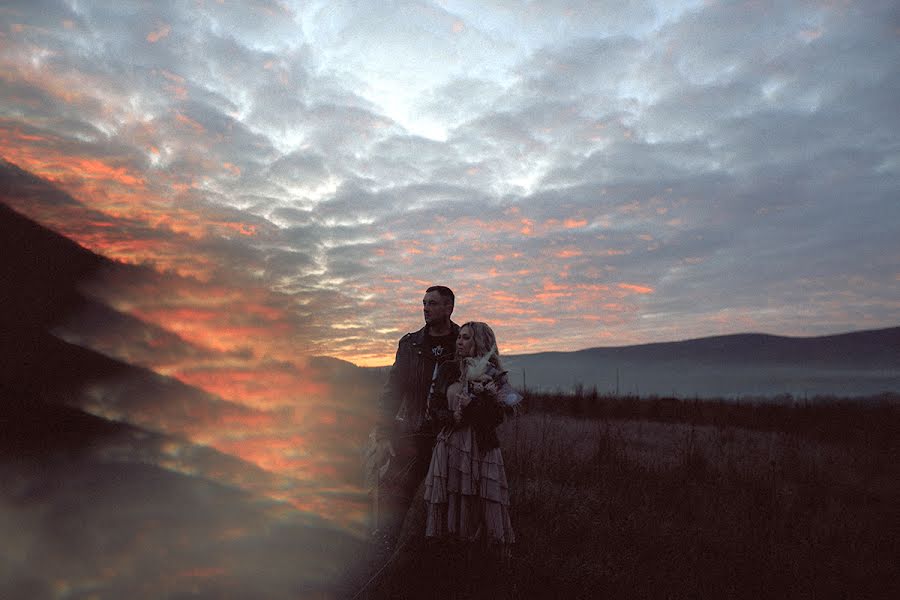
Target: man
<point x="406" y="428"/>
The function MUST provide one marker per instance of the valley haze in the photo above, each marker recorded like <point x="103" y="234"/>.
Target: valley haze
<point x="861" y="363"/>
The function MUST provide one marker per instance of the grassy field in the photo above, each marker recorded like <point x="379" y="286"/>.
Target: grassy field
<point x="668" y="498"/>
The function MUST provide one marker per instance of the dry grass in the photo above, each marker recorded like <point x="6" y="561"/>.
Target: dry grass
<point x="640" y="508"/>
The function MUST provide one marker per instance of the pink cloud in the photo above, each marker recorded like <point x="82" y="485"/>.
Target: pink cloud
<point x="160" y="33"/>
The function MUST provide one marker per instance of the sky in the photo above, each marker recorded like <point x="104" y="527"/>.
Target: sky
<point x="580" y="175"/>
<point x="287" y="178"/>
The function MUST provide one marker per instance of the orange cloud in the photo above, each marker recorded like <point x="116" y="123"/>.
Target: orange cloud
<point x="550" y="297"/>
<point x="97" y="169"/>
<point x="412" y="247"/>
<point x="30" y="138"/>
<point x="203" y="572"/>
<point x="256" y="386"/>
<point x="155" y="36"/>
<point x="197" y="127"/>
<point x="506" y="297"/>
<point x="637" y="289"/>
<point x="172" y="76"/>
<point x="809" y="35"/>
<point x="241" y="228"/>
<point x="542" y="320"/>
<point x="178" y="92"/>
<point x="568" y="253"/>
<point x="549" y="286"/>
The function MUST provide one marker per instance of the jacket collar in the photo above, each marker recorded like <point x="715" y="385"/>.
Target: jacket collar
<point x="418" y="338"/>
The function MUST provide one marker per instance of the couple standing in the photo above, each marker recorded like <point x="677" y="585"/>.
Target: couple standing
<point x="444" y="398"/>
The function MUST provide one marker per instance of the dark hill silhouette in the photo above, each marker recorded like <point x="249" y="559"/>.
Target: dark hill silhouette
<point x="866" y="349"/>
<point x="37" y="429"/>
<point x="41" y="376"/>
<point x="39" y="271"/>
<point x="34" y="428"/>
<point x="108" y="507"/>
<point x="101" y="498"/>
<point x="40" y="274"/>
<point x="850" y="364"/>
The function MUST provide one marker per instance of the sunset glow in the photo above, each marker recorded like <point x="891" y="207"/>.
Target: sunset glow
<point x="279" y="182"/>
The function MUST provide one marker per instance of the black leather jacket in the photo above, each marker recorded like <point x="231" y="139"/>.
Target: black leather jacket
<point x="402" y="404"/>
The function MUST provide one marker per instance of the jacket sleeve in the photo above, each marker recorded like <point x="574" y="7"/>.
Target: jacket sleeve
<point x="484" y="413"/>
<point x="438" y="406"/>
<point x="389" y="400"/>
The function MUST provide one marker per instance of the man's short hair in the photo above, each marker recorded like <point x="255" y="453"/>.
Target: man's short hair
<point x="444" y="292"/>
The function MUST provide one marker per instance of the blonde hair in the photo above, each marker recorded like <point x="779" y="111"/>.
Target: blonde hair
<point x="484" y="351"/>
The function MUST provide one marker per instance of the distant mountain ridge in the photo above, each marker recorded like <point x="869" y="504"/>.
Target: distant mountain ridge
<point x="852" y="364"/>
<point x="865" y="348"/>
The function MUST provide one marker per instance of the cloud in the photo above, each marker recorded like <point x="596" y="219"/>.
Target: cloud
<point x="155" y="36"/>
<point x="284" y="180"/>
<point x="219" y="363"/>
<point x="654" y="145"/>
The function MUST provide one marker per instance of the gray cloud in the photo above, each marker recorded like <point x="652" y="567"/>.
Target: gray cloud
<point x="581" y="174"/>
<point x="670" y="147"/>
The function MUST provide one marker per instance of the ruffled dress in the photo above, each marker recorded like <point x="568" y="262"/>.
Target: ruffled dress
<point x="466" y="491"/>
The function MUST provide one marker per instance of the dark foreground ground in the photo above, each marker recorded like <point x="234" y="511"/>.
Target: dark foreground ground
<point x="659" y="498"/>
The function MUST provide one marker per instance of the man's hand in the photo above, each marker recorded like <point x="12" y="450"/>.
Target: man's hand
<point x="377" y="458"/>
<point x="386" y="446"/>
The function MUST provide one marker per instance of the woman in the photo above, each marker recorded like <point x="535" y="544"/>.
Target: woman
<point x="466" y="492"/>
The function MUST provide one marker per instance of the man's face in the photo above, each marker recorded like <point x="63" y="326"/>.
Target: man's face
<point x="436" y="308"/>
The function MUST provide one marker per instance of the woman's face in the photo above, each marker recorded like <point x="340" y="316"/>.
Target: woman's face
<point x="465" y="345"/>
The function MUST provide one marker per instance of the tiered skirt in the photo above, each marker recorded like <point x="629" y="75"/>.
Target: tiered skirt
<point x="466" y="492"/>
